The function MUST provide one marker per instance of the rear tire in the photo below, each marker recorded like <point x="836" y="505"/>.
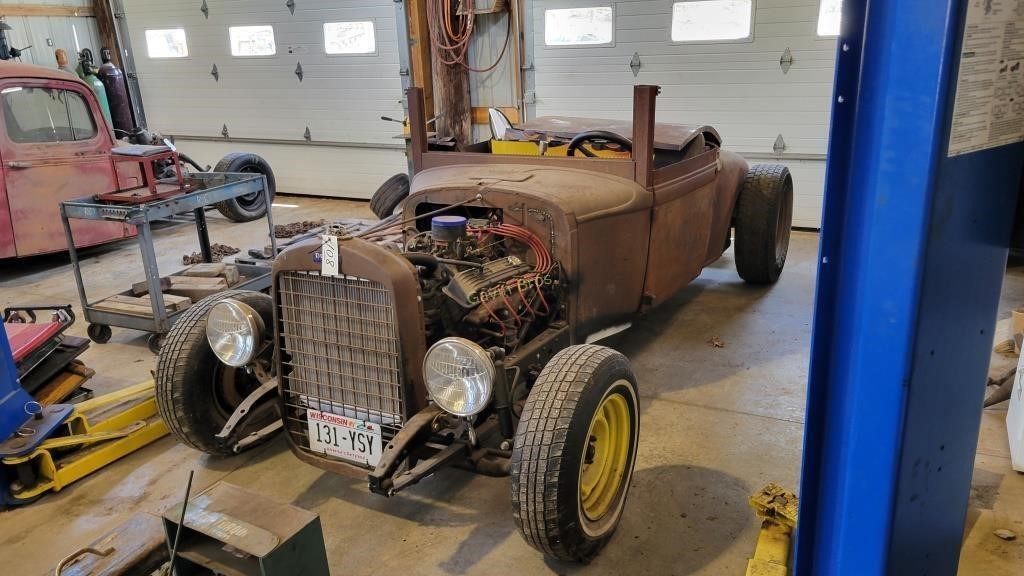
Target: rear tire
<point x="251" y="206"/>
<point x="574" y="452"/>
<point x="390" y="195"/>
<point x="195" y="392"/>
<point x="764" y="216"/>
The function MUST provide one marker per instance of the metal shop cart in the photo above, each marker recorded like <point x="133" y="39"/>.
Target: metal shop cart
<point x="207" y="189"/>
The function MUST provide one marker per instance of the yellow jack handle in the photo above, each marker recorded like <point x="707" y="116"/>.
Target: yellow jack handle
<point x="100" y="443"/>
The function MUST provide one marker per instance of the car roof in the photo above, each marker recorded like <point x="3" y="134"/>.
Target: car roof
<point x="666" y="136"/>
<point x="9" y="69"/>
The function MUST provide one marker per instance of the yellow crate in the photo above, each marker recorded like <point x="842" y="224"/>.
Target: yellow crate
<point x="518" y="148"/>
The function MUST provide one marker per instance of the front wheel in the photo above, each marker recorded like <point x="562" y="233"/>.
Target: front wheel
<point x="574" y="452"/>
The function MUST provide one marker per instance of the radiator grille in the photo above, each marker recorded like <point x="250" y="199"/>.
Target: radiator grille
<point x="340" y="351"/>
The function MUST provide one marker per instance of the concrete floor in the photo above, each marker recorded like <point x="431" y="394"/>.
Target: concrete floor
<point x="717" y="424"/>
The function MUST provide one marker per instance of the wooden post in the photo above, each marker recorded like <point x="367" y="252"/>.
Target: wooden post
<point x="451" y="97"/>
<point x="107" y="29"/>
<point x="417" y="128"/>
<point x="419" y="52"/>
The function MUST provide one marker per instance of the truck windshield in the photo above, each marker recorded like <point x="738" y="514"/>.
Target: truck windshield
<point x="40" y="115"/>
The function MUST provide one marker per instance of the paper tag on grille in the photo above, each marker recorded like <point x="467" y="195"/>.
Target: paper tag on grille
<point x="329" y="256"/>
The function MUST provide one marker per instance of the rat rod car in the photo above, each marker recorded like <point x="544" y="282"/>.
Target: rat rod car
<point x="460" y="330"/>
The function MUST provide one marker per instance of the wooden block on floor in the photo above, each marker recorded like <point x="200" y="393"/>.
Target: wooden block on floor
<point x="197" y="291"/>
<point x="196" y="281"/>
<point x="172" y="303"/>
<point x="136" y="309"/>
<point x="212" y="270"/>
<point x="142" y="288"/>
<point x="229" y="272"/>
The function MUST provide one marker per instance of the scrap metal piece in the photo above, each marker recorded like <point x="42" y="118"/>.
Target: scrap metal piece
<point x="80" y="553"/>
<point x="786" y="61"/>
<point x="773" y="502"/>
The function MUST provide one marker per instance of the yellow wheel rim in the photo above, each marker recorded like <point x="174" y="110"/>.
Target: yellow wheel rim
<point x="606" y="457"/>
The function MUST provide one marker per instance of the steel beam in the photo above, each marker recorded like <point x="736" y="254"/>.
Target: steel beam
<point x="913" y="250"/>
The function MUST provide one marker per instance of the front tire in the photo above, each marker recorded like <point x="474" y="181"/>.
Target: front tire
<point x="251" y="206"/>
<point x="195" y="392"/>
<point x="764" y="217"/>
<point x="574" y="452"/>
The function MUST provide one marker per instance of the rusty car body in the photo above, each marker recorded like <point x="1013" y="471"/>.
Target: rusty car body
<point x="390" y="330"/>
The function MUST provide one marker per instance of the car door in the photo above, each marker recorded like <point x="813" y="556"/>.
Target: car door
<point x="54" y="148"/>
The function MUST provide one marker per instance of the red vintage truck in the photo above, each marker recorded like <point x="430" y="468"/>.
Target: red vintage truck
<point x="56" y="145"/>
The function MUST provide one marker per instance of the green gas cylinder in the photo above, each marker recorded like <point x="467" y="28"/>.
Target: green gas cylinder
<point x="86" y="71"/>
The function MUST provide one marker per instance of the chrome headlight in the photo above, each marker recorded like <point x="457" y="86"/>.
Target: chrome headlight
<point x="234" y="331"/>
<point x="459" y="375"/>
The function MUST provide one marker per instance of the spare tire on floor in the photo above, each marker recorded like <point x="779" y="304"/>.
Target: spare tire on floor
<point x="390" y="195"/>
<point x="251" y="206"/>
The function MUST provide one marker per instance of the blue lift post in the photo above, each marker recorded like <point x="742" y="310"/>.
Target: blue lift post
<point x="13" y="397"/>
<point x="913" y="252"/>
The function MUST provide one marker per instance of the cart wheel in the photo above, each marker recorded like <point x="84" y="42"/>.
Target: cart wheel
<point x="155" y="342"/>
<point x="99" y="333"/>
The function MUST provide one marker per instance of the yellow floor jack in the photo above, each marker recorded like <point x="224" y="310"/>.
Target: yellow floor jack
<point x="44" y="454"/>
<point x="777" y="509"/>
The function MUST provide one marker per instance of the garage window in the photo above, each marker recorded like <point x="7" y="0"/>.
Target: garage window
<point x="170" y="43"/>
<point x="830" y="17"/>
<point x="41" y="115"/>
<point x="252" y="40"/>
<point x="349" y="38"/>
<point x="579" y="26"/>
<point x="712" y="20"/>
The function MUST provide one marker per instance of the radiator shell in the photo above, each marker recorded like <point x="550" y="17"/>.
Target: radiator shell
<point x="380" y="270"/>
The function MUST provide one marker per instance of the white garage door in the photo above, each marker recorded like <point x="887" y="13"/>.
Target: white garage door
<point x="582" y="68"/>
<point x="348" y="56"/>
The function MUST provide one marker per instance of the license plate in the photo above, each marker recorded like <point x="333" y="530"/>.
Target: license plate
<point x="357" y="441"/>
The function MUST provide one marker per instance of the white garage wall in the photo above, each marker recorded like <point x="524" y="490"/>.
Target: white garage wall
<point x="48" y="33"/>
<point x="340" y="97"/>
<point x="738" y="87"/>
